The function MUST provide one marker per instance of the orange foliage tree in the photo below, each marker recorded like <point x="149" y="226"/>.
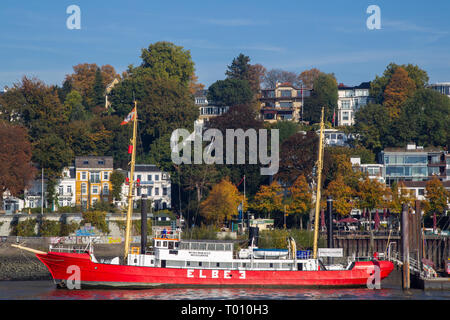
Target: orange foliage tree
<point x="269" y="198"/>
<point x="400" y="88"/>
<point x="222" y="203"/>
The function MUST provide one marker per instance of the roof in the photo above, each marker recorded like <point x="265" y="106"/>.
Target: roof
<point x="99" y="162"/>
<point x="422" y="184"/>
<point x="418" y="150"/>
<point x="363" y="85"/>
<point x="146" y="168"/>
<point x="201" y="93"/>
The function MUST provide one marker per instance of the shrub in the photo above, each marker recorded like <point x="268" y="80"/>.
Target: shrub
<point x="96" y="219"/>
<point x="201" y="233"/>
<point x="25" y="228"/>
<point x="49" y="228"/>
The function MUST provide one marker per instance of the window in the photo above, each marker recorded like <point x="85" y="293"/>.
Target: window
<point x="95" y="177"/>
<point x="345" y="116"/>
<point x="69" y="189"/>
<point x="105" y="175"/>
<point x="286" y="104"/>
<point x="270" y="94"/>
<point x="83" y="175"/>
<point x="85" y="161"/>
<point x="421" y="192"/>
<point x="156" y="177"/>
<point x="164" y="191"/>
<point x="158" y="243"/>
<point x="156" y="191"/>
<point x="105" y="188"/>
<point x="95" y="190"/>
<point x="101" y="162"/>
<point x="165" y="244"/>
<point x="433" y="171"/>
<point x="286" y="93"/>
<point x="149" y="177"/>
<point x="83" y="188"/>
<point x="345" y="104"/>
<point x="60" y="190"/>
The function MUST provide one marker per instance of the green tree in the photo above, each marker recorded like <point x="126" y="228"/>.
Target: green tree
<point x="425" y="119"/>
<point x="117" y="179"/>
<point x="98" y="90"/>
<point x="74" y="104"/>
<point x="230" y="92"/>
<point x="325" y="94"/>
<point x="164" y="60"/>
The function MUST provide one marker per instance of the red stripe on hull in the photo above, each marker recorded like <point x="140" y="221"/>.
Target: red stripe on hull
<point x="123" y="275"/>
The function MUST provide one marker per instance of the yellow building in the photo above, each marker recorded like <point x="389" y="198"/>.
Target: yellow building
<point x="92" y="182"/>
<point x="284" y="102"/>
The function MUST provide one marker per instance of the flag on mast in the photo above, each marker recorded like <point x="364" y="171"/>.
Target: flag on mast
<point x="129" y="117"/>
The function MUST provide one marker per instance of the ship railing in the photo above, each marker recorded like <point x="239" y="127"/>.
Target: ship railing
<point x="70" y="249"/>
<point x="424" y="271"/>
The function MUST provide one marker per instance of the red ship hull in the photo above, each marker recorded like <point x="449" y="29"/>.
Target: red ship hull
<point x="62" y="267"/>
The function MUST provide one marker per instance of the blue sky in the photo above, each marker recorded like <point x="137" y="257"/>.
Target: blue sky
<point x="293" y="35"/>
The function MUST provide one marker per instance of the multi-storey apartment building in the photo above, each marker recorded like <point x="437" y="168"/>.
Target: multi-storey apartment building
<point x="350" y="99"/>
<point x="92" y="178"/>
<point x="284" y="102"/>
<point x="154" y="183"/>
<point x="413" y="163"/>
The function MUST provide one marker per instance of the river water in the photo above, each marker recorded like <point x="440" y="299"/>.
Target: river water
<point x="46" y="290"/>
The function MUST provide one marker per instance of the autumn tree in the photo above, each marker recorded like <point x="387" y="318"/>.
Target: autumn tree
<point x="300" y="199"/>
<point x="400" y="195"/>
<point x="268" y="199"/>
<point x="83" y="80"/>
<point x="436" y="197"/>
<point x="371" y="194"/>
<point x="379" y="84"/>
<point x="16" y="170"/>
<point x="308" y="77"/>
<point x="400" y="88"/>
<point x="342" y="195"/>
<point x="194" y="85"/>
<point x="221" y="204"/>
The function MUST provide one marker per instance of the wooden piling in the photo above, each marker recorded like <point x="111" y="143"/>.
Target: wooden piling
<point x="406" y="279"/>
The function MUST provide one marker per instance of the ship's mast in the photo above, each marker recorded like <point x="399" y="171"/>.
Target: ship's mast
<point x="319" y="179"/>
<point x="131" y="183"/>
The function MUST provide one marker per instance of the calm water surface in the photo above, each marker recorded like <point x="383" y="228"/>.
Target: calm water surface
<point x="46" y="290"/>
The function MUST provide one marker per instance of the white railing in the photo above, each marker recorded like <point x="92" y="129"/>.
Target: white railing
<point x="425" y="271"/>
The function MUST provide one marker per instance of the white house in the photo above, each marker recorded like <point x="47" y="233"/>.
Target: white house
<point x="350" y="99"/>
<point x="154" y="183"/>
<point x="64" y="191"/>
